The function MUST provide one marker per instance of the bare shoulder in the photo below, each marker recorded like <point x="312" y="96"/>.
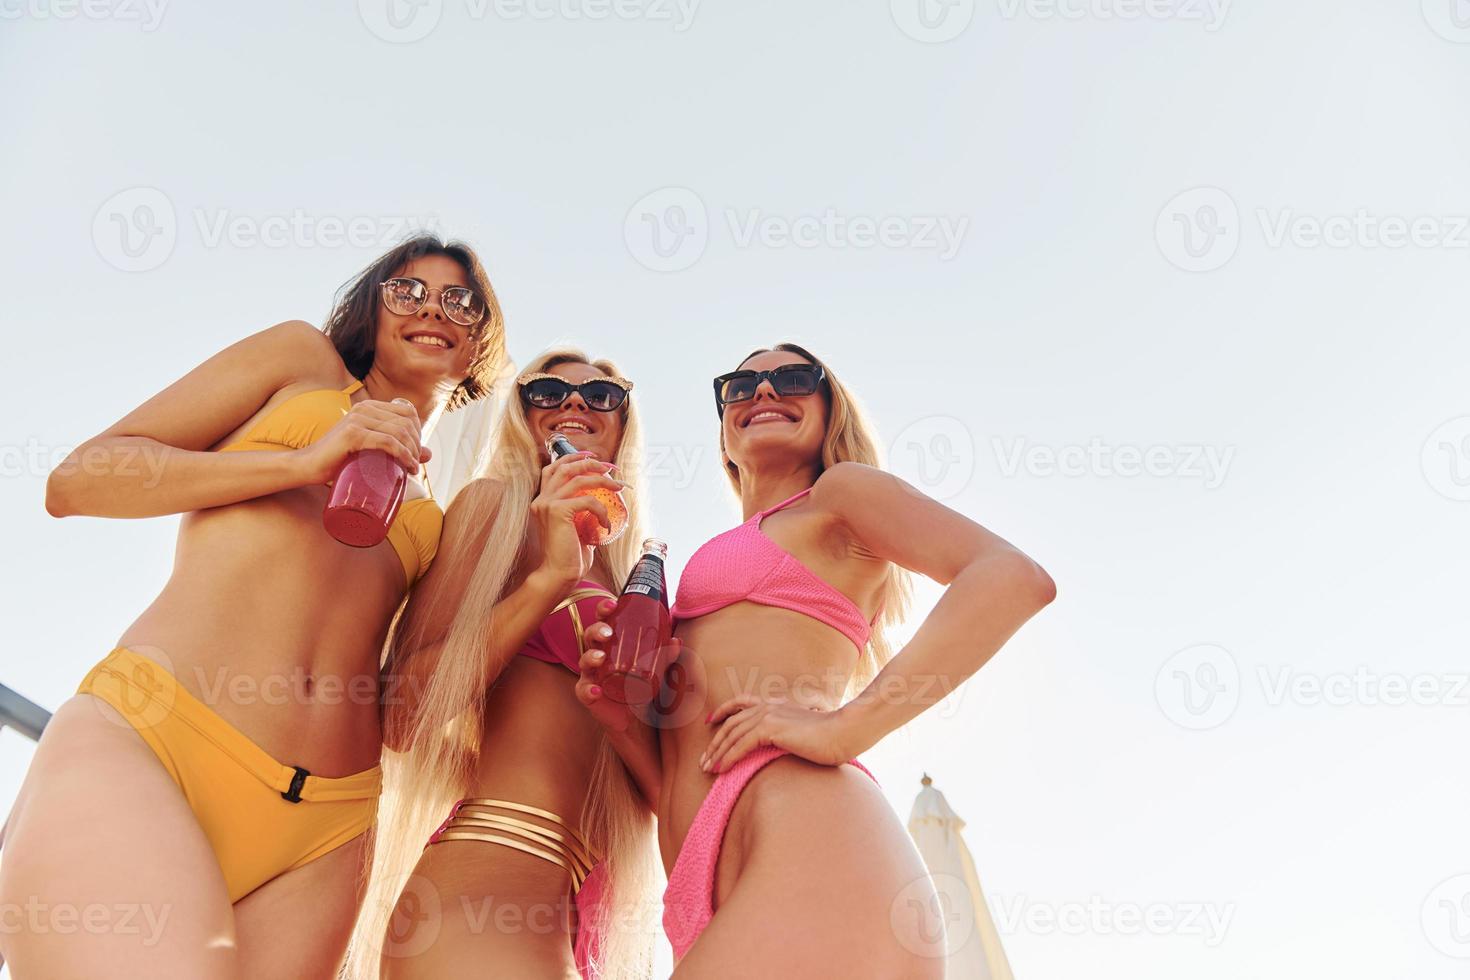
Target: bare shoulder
<point x="848" y="488"/>
<point x="480" y="494"/>
<point x="469" y="518"/>
<point x="849" y="477"/>
<point x="310" y="353"/>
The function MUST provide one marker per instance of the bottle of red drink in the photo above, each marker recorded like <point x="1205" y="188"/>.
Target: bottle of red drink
<point x="589" y="528"/>
<point x="642" y="629"/>
<point x="365" y="498"/>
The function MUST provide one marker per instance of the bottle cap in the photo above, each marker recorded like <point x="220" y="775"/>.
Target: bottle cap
<point x="558" y="446"/>
<point x="655" y="546"/>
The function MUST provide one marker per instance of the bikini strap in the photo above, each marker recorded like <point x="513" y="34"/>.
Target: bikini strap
<point x="789" y="500"/>
<point x="352" y="387"/>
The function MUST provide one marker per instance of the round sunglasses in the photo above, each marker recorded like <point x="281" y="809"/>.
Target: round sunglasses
<point x="550" y="390"/>
<point x="406" y="296"/>
<point x="788" y="380"/>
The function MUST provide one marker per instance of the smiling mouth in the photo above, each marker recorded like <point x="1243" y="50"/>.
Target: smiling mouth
<point x="571" y="425"/>
<point x="429" y="340"/>
<point x="766" y="416"/>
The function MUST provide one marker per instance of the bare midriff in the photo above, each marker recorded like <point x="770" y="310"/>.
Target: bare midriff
<point x="539" y="745"/>
<point x="745" y="648"/>
<point x="277" y="627"/>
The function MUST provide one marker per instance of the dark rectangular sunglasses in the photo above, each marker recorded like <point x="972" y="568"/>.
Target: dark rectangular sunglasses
<point x="788" y="379"/>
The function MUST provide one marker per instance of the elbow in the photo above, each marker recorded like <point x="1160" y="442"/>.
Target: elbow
<point x="1044" y="587"/>
<point x="1029" y="581"/>
<point x="395" y="739"/>
<point x="397" y="727"/>
<point x="60" y="487"/>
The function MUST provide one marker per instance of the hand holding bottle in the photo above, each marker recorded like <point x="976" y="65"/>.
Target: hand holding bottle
<point x="368" y="487"/>
<point x="564" y="501"/>
<point x="614" y="507"/>
<point x="390" y="427"/>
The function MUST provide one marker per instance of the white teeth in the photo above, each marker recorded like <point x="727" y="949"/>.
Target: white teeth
<point x="571" y="425"/>
<point x="428" y="340"/>
<point x="768" y="415"/>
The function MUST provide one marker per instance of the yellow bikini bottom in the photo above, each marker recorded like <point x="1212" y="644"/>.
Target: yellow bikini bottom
<point x="262" y="818"/>
<point x="490" y="821"/>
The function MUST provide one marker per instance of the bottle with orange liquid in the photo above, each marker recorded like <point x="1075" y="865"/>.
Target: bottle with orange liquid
<point x="642" y="629"/>
<point x="589" y="528"/>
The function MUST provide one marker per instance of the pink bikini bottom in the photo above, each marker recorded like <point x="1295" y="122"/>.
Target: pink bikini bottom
<point x="689" y="899"/>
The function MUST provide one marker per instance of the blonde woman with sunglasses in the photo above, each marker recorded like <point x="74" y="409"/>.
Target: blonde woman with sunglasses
<point x="513" y="842"/>
<point x="784" y="858"/>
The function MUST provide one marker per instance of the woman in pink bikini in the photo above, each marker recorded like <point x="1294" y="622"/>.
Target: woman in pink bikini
<point x="544" y="838"/>
<point x="782" y="860"/>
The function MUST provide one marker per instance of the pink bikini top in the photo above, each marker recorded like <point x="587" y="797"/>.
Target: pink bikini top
<point x="743" y="565"/>
<point x="558" y="640"/>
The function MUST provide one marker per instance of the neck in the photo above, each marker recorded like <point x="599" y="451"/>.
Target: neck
<point x="428" y="400"/>
<point x="763" y="489"/>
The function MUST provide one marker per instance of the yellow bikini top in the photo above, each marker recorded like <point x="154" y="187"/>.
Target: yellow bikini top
<point x="300" y="421"/>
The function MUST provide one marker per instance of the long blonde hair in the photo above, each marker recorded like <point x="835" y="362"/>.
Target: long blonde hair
<point x="849" y="438"/>
<point x="422" y="783"/>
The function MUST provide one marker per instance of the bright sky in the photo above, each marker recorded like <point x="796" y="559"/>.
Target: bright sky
<point x="1170" y="293"/>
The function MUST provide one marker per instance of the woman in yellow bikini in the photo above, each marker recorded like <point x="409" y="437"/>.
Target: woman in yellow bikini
<point x="209" y="787"/>
<point x="513" y="841"/>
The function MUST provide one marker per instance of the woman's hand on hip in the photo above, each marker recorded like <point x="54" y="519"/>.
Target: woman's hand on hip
<point x="747" y="722"/>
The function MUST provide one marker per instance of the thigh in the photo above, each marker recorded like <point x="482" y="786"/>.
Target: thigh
<point x="473" y="909"/>
<point x="296" y="926"/>
<point x="105" y="870"/>
<point x="814" y="880"/>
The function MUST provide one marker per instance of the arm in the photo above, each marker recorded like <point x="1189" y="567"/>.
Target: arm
<point x="993" y="589"/>
<point x="424" y="628"/>
<point x="630" y="735"/>
<point x="156" y="461"/>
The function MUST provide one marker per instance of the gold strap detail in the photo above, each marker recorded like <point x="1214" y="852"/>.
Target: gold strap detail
<point x="540" y="835"/>
<point x="570" y="605"/>
<point x="579" y="594"/>
<point x="520" y="845"/>
<point x="508" y="805"/>
<point x="474" y="819"/>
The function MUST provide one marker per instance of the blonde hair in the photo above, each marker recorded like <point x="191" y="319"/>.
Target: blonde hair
<point x="849" y="438"/>
<point x="423" y="782"/>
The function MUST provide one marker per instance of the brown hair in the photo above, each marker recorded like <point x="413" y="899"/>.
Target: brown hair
<point x="352" y="324"/>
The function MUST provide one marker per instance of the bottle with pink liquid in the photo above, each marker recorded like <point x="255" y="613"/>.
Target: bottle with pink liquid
<point x="365" y="498"/>
<point x="642" y="629"/>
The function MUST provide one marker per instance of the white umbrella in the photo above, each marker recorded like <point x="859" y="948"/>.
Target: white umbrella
<point x="460" y="440"/>
<point x="974" y="950"/>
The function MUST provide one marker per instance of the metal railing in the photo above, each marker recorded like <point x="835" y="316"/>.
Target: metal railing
<point x="22" y="714"/>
